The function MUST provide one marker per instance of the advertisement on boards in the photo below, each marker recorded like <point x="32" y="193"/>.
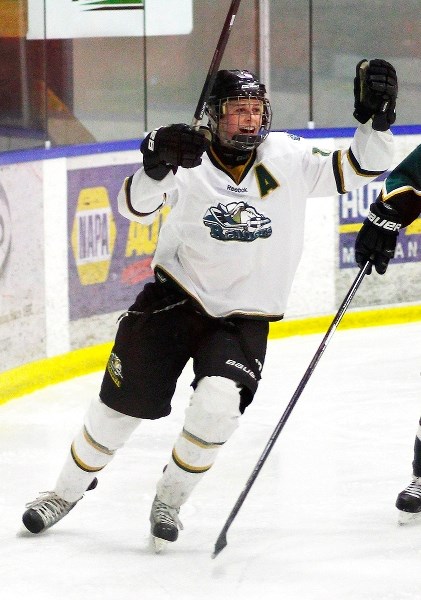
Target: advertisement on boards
<point x="109" y="256"/>
<point x="353" y="209"/>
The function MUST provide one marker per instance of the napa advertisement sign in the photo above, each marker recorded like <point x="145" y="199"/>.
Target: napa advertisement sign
<point x="109" y="257"/>
<point x="58" y="19"/>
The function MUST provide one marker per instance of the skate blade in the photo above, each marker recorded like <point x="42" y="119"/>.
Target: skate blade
<point x="405" y="518"/>
<point x="158" y="544"/>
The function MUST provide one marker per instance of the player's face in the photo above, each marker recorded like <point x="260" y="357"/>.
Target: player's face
<point x="242" y="116"/>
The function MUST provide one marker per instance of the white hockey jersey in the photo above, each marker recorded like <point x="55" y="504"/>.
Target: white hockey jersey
<point x="234" y="244"/>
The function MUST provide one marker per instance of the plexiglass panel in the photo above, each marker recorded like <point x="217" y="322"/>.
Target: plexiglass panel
<point x="84" y="72"/>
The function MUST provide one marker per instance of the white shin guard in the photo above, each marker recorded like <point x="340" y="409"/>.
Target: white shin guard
<point x="104" y="432"/>
<point x="211" y="418"/>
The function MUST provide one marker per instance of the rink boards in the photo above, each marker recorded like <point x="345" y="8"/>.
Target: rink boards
<point x="70" y="264"/>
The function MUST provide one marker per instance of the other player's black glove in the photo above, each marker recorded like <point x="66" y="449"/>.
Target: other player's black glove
<point x="376" y="240"/>
<point x="375" y="92"/>
<point x="168" y="148"/>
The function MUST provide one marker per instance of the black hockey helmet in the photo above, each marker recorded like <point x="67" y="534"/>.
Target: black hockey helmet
<point x="232" y="85"/>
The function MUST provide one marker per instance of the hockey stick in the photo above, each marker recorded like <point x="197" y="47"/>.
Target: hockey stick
<point x="214" y="66"/>
<point x="221" y="542"/>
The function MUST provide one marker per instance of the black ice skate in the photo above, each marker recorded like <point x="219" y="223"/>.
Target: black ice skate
<point x="47" y="510"/>
<point x="409" y="501"/>
<point x="164" y="524"/>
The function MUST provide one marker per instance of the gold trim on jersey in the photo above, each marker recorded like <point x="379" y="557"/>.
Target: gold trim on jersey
<point x="400" y="190"/>
<point x="234" y="313"/>
<point x="337" y="171"/>
<point x="236" y="173"/>
<point x="130" y="207"/>
<point x="357" y="167"/>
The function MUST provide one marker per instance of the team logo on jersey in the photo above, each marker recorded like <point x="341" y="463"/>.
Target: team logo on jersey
<point x="237" y="221"/>
<point x="114" y="369"/>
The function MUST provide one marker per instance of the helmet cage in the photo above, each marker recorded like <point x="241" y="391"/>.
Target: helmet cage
<point x="240" y="141"/>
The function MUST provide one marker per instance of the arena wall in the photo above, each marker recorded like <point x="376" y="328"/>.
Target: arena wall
<point x="70" y="264"/>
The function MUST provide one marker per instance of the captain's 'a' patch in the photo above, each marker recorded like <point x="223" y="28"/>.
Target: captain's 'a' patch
<point x="265" y="180"/>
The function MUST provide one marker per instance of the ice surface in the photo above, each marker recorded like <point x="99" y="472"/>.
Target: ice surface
<point x="319" y="523"/>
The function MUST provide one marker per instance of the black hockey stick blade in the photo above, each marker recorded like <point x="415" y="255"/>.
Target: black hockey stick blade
<point x="221" y="542"/>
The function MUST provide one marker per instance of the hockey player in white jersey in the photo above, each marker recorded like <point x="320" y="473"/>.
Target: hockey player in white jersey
<point x="224" y="265"/>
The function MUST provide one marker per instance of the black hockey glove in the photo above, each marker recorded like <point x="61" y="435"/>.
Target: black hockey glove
<point x="375" y="92"/>
<point x="376" y="240"/>
<point x="171" y="147"/>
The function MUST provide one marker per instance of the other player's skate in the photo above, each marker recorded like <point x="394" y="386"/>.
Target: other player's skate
<point x="47" y="510"/>
<point x="164" y="524"/>
<point x="409" y="502"/>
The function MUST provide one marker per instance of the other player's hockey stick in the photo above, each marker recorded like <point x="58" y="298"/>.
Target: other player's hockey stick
<point x="221" y="542"/>
<point x="214" y="66"/>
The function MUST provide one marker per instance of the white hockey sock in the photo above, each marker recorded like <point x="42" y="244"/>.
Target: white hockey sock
<point x="210" y="420"/>
<point x="86" y="458"/>
<point x="104" y="432"/>
<point x="191" y="458"/>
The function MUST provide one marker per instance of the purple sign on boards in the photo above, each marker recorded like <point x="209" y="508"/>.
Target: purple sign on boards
<point x="109" y="256"/>
<point x="353" y="209"/>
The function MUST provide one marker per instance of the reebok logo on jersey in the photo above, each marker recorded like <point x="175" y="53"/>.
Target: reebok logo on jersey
<point x="231" y="188"/>
<point x="383" y="223"/>
<point x="237" y="221"/>
<point x="238" y="365"/>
